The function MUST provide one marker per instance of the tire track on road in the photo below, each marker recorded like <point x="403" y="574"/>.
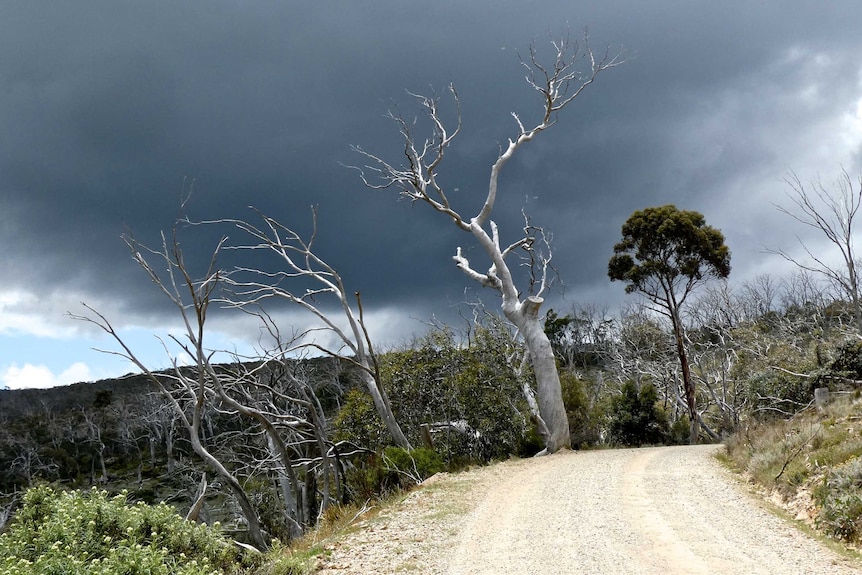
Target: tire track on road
<point x="662" y="511"/>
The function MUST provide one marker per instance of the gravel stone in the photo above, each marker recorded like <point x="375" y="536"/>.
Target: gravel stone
<point x="662" y="511"/>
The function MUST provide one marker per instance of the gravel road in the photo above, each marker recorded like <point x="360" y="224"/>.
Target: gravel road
<point x="669" y="510"/>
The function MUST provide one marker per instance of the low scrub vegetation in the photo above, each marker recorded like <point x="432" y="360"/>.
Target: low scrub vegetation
<point x="812" y="461"/>
<point x="91" y="532"/>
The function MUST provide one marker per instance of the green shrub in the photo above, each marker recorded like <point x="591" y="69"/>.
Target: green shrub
<point x="411" y="467"/>
<point x="391" y="470"/>
<point x="472" y="392"/>
<point x="584" y="420"/>
<point x="635" y="418"/>
<point x="358" y="422"/>
<point x="90" y="532"/>
<point x="840" y="502"/>
<point x="841" y="516"/>
<point x="848" y="360"/>
<point x="531" y="443"/>
<point x="680" y="431"/>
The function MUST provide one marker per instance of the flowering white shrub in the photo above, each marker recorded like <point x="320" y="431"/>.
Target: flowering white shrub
<point x="89" y="532"/>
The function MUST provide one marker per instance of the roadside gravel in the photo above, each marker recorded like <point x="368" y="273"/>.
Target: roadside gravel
<point x="671" y="510"/>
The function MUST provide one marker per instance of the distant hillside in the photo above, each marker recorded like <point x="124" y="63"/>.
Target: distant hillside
<point x="122" y="434"/>
<point x="14" y="403"/>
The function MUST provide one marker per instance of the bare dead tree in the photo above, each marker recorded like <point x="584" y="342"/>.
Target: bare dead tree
<point x="160" y="425"/>
<point x="832" y="212"/>
<point x="758" y="297"/>
<point x="558" y="85"/>
<point x="289" y="426"/>
<point x="299" y="268"/>
<point x="7" y="511"/>
<point x="92" y="431"/>
<point x="189" y="387"/>
<point x="713" y="320"/>
<point x="642" y="351"/>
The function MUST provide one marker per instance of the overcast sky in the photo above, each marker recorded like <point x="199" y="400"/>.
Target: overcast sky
<point x="109" y="110"/>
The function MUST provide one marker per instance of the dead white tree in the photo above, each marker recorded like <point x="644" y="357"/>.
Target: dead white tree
<point x="188" y="391"/>
<point x="575" y="67"/>
<point x="290" y="429"/>
<point x="304" y="278"/>
<point x="832" y="212"/>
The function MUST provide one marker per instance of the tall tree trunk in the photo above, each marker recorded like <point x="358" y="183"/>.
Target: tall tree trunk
<point x="549" y="391"/>
<point x="152" y="442"/>
<point x="104" y="478"/>
<point x="687" y="383"/>
<point x="381" y="403"/>
<point x="254" y="531"/>
<point x="287" y="493"/>
<point x="169" y="448"/>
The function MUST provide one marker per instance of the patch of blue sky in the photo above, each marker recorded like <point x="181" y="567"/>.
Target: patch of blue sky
<point x="28" y="360"/>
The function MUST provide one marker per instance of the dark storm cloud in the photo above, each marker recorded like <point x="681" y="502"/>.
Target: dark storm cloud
<point x="110" y="110"/>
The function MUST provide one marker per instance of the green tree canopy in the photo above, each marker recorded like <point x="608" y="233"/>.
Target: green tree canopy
<point x="665" y="252"/>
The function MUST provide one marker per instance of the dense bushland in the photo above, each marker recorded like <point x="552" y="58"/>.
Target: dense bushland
<point x="460" y="398"/>
<point x="466" y="398"/>
<point x="634" y="417"/>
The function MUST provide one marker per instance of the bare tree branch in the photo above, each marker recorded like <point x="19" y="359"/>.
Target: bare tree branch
<point x="832" y="212"/>
<point x="574" y="68"/>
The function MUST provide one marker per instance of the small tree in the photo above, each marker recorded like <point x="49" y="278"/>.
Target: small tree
<point x="664" y="254"/>
<point x="558" y="85"/>
<point x="261" y="390"/>
<point x="832" y="212"/>
<point x="189" y="391"/>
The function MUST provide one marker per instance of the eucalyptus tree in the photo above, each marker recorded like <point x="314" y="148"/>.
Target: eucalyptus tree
<point x="557" y="86"/>
<point x="664" y="254"/>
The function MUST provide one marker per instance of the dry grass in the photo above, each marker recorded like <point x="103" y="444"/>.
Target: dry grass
<point x="807" y="463"/>
<point x="302" y="555"/>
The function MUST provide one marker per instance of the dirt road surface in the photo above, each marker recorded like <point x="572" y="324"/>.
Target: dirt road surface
<point x="662" y="511"/>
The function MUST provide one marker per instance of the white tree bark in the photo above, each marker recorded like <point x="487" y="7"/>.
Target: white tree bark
<point x="282" y="404"/>
<point x="550" y="397"/>
<point x="559" y="85"/>
<point x="831" y="212"/>
<point x="253" y="286"/>
<point x="195" y="392"/>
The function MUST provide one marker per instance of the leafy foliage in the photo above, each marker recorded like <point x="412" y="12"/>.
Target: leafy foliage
<point x="664" y="254"/>
<point x="840" y="500"/>
<point x="470" y="395"/>
<point x="662" y="246"/>
<point x="357" y="421"/>
<point x="90" y="532"/>
<point x="584" y="418"/>
<point x="411" y="467"/>
<point x="391" y="470"/>
<point x="635" y="418"/>
<point x="848" y="360"/>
